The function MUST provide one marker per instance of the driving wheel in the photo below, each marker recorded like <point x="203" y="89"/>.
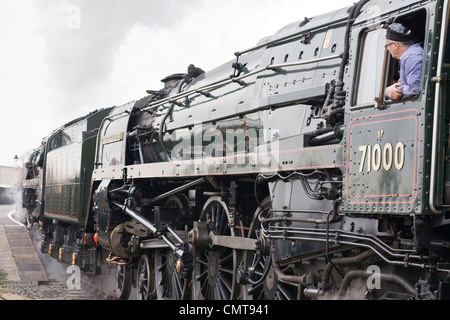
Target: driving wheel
<point x="145" y="279"/>
<point x="264" y="283"/>
<point x="214" y="276"/>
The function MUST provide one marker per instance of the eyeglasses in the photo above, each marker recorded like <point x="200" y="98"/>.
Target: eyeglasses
<point x="386" y="46"/>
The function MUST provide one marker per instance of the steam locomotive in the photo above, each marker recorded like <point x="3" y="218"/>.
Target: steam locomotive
<point x="283" y="174"/>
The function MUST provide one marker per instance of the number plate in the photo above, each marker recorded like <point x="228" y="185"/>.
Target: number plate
<point x="382" y="157"/>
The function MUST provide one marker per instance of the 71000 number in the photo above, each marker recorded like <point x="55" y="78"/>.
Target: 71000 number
<point x="374" y="157"/>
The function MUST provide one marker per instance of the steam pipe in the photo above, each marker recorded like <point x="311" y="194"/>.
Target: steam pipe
<point x="141" y="152"/>
<point x="318" y="140"/>
<point x="301" y="232"/>
<point x="276" y="267"/>
<point x="163" y="121"/>
<point x="363" y="274"/>
<point x="280" y="233"/>
<point x="340" y="261"/>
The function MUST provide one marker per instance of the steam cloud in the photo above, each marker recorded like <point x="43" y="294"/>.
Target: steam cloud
<point x="82" y="37"/>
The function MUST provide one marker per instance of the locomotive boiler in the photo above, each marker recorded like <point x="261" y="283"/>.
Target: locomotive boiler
<point x="283" y="174"/>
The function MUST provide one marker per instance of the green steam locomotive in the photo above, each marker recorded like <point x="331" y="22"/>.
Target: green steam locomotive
<point x="286" y="173"/>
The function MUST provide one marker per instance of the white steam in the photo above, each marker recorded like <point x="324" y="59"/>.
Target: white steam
<point x="82" y="38"/>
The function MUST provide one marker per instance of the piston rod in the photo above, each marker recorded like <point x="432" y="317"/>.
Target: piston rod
<point x="150" y="226"/>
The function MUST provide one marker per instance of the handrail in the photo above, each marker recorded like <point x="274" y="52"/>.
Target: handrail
<point x="300" y="63"/>
<point x="437" y="99"/>
<point x="299" y="33"/>
<point x="224" y="82"/>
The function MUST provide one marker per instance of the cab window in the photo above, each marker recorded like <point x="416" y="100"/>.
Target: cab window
<point x="415" y="22"/>
<point x="371" y="66"/>
<point x="377" y="69"/>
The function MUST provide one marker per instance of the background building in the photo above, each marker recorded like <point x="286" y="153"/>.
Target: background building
<point x="9" y="176"/>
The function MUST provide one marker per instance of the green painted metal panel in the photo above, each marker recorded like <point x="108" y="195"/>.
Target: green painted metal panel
<point x="69" y="166"/>
<point x="383" y="161"/>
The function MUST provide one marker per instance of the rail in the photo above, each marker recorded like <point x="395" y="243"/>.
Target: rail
<point x="437" y="100"/>
<point x="279" y="40"/>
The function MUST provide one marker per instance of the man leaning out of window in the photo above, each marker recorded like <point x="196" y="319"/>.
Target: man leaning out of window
<point x="401" y="46"/>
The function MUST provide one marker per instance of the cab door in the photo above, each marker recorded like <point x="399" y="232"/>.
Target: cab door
<point x="383" y="138"/>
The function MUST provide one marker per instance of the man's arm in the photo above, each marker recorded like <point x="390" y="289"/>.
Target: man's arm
<point x="393" y="92"/>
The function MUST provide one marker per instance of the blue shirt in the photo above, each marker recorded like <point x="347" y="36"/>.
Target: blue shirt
<point x="411" y="70"/>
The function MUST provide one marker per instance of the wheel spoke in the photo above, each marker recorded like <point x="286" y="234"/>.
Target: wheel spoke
<point x="226" y="284"/>
<point x="122" y="281"/>
<point x="228" y="259"/>
<point x="214" y="269"/>
<point x="226" y="270"/>
<point x="177" y="285"/>
<point x="203" y="262"/>
<point x="270" y="287"/>
<point x="145" y="282"/>
<point x="283" y="293"/>
<point x="255" y="289"/>
<point x="168" y="284"/>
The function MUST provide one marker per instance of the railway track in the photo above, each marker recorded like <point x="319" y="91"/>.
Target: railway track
<point x="91" y="291"/>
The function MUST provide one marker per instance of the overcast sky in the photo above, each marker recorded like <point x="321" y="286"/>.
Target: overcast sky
<point x="61" y="59"/>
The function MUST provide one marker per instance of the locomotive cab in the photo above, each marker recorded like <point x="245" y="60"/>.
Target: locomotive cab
<point x="385" y="138"/>
<point x="396" y="151"/>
